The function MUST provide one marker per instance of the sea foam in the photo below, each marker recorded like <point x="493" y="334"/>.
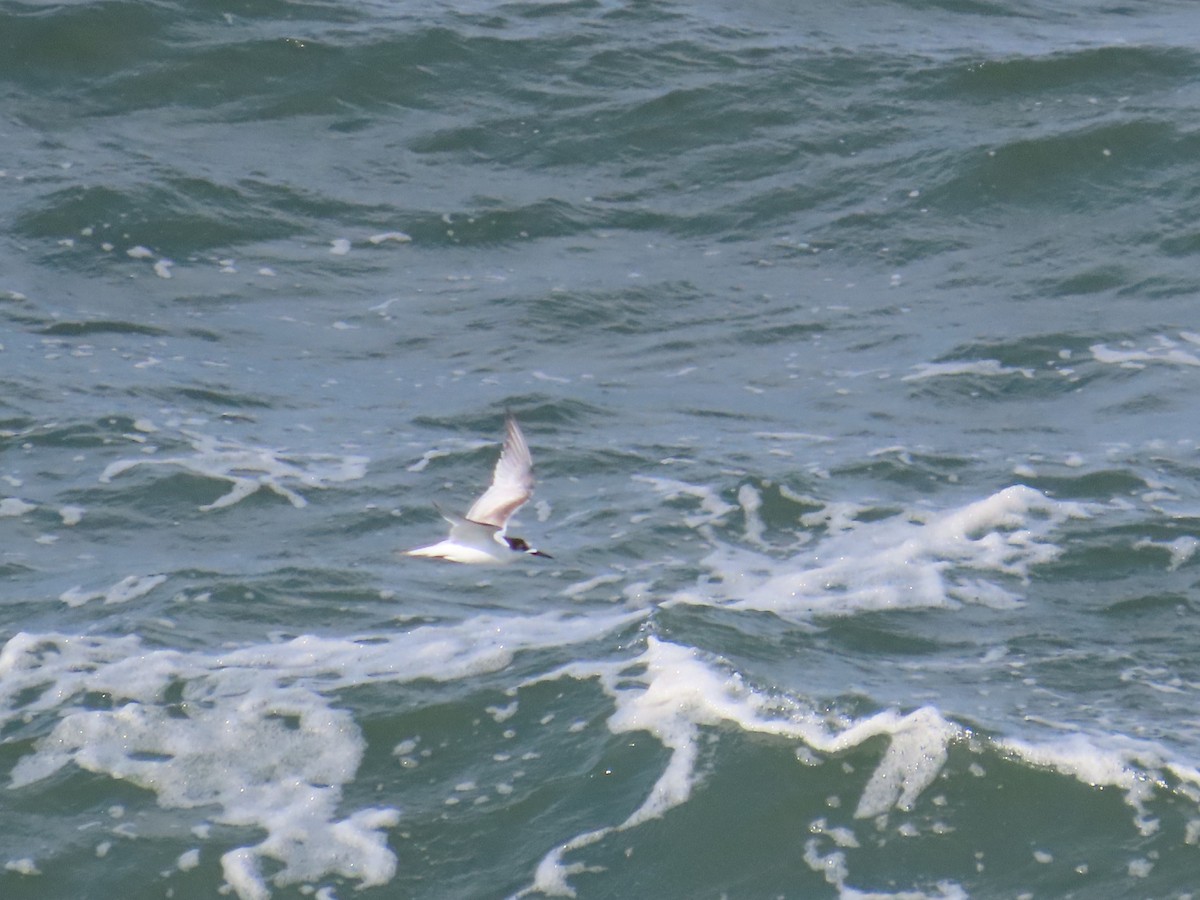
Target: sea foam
<point x="255" y="737"/>
<point x="920" y="560"/>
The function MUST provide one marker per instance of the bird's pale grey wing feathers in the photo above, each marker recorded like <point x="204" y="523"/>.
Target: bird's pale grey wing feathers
<point x="462" y="528"/>
<point x="512" y="481"/>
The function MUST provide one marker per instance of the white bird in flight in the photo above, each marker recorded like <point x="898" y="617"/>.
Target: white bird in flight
<point x="479" y="538"/>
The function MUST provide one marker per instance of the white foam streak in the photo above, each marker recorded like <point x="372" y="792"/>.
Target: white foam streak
<point x="714" y="507"/>
<point x="129" y="588"/>
<point x="751" y="502"/>
<point x="250" y="469"/>
<point x="916" y="753"/>
<point x="980" y="367"/>
<point x="1164" y="350"/>
<point x="240" y="870"/>
<point x="909" y="562"/>
<point x="430" y="455"/>
<point x="251" y="731"/>
<point x="582" y="587"/>
<point x="1181" y="549"/>
<point x="398" y="237"/>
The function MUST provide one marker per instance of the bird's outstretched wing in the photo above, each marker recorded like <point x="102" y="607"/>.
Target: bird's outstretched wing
<point x="464" y="530"/>
<point x="512" y="481"/>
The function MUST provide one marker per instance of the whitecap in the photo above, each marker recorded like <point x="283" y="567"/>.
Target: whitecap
<point x="1163" y="350"/>
<point x="670" y="692"/>
<point x="922" y="560"/>
<point x="1136" y="767"/>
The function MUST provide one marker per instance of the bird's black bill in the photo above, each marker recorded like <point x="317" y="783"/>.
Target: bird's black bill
<point x="540" y="553"/>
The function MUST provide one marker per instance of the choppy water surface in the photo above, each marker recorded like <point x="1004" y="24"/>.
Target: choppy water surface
<point x="857" y="350"/>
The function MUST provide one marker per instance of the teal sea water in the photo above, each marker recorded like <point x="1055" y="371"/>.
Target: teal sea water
<point x="857" y="347"/>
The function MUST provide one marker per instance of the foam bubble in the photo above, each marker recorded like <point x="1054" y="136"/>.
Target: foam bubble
<point x="1192" y="832"/>
<point x="405" y="747"/>
<point x="1140" y="868"/>
<point x="832" y="865"/>
<point x="12" y="507"/>
<point x="502" y="713"/>
<point x="842" y="837"/>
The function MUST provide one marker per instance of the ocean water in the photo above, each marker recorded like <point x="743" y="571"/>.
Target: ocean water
<point x="857" y="346"/>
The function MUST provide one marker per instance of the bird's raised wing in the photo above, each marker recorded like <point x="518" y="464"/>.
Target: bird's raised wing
<point x="512" y="481"/>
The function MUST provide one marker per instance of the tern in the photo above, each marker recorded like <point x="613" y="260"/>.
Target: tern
<point x="479" y="537"/>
